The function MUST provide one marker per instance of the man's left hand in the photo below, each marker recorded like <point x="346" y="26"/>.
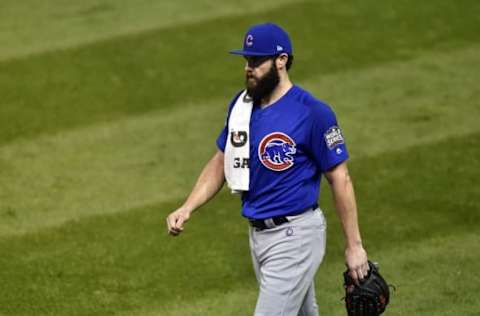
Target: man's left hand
<point x="357" y="262"/>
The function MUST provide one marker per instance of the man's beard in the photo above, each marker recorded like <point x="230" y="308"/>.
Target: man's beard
<point x="264" y="86"/>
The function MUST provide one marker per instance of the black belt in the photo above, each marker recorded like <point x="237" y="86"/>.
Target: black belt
<point x="271" y="222"/>
<point x="262" y="224"/>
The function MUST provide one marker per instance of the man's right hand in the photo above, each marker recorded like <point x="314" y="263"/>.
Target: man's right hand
<point x="208" y="184"/>
<point x="176" y="220"/>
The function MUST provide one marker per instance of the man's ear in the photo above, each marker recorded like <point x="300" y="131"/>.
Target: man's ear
<point x="281" y="61"/>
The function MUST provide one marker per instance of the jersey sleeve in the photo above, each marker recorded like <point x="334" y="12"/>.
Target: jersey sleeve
<point x="326" y="142"/>
<point x="222" y="137"/>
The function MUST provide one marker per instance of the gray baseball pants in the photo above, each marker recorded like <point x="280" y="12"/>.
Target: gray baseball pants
<point x="285" y="259"/>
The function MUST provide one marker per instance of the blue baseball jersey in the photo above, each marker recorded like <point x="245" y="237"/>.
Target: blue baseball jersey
<point x="292" y="142"/>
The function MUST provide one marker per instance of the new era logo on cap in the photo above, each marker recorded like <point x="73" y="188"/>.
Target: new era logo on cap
<point x="265" y="40"/>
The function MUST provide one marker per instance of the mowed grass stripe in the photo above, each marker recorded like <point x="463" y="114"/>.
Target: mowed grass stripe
<point x="31" y="27"/>
<point x="167" y="68"/>
<point x="107" y="168"/>
<point x="122" y="263"/>
<point x="155" y="158"/>
<point x="409" y="267"/>
<point x="399" y="104"/>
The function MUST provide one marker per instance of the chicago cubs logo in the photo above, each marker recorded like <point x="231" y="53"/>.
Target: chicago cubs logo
<point x="276" y="151"/>
<point x="249" y="40"/>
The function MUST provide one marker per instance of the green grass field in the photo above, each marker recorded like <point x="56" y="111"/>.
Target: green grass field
<point x="109" y="110"/>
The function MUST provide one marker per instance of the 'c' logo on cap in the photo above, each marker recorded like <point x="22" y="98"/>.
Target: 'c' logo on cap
<point x="249" y="40"/>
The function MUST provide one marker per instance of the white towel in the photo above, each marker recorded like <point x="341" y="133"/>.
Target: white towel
<point x="237" y="149"/>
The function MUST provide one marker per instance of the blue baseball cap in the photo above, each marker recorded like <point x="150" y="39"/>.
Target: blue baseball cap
<point x="265" y="40"/>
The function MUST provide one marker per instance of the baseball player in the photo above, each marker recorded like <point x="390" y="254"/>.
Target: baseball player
<point x="293" y="139"/>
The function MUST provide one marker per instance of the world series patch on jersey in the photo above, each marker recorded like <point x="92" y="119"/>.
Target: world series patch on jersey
<point x="333" y="137"/>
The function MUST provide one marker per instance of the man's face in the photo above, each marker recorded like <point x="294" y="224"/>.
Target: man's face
<point x="261" y="76"/>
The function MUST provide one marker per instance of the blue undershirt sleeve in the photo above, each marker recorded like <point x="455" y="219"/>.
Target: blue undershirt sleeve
<point x="222" y="138"/>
